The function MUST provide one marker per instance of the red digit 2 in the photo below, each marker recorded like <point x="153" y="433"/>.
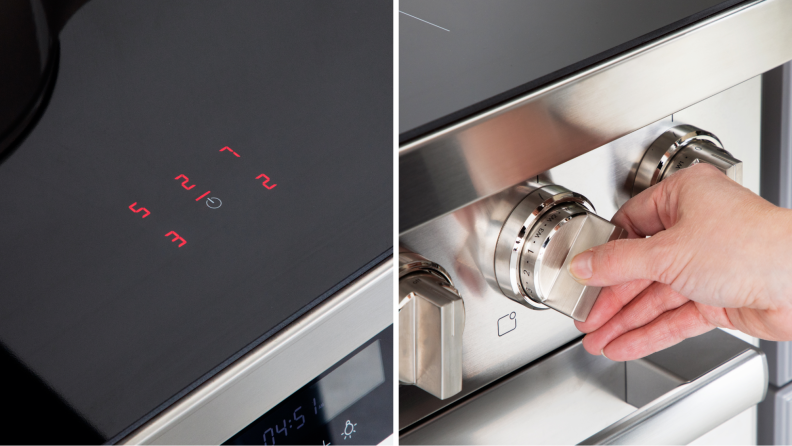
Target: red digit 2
<point x="267" y="179"/>
<point x="184" y="183"/>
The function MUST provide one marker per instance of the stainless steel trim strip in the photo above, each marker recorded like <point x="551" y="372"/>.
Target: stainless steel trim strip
<point x="511" y="143"/>
<point x="693" y="409"/>
<point x="573" y="396"/>
<point x="774" y="415"/>
<point x="267" y="375"/>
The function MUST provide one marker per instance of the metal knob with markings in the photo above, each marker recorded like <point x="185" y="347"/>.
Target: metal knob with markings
<point x="680" y="147"/>
<point x="549" y="227"/>
<point x="431" y="322"/>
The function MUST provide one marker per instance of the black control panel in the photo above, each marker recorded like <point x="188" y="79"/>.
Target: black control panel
<point x="459" y="57"/>
<point x="350" y="403"/>
<point x="203" y="174"/>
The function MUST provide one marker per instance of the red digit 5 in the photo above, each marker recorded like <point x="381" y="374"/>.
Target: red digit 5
<point x="142" y="209"/>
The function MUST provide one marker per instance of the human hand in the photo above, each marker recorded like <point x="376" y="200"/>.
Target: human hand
<point x="718" y="256"/>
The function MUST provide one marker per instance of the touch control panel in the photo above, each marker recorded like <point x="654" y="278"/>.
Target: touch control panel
<point x="431" y="323"/>
<point x="548" y="228"/>
<point x="680" y="147"/>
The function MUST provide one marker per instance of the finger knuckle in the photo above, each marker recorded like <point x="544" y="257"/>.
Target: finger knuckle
<point x="663" y="258"/>
<point x="607" y="257"/>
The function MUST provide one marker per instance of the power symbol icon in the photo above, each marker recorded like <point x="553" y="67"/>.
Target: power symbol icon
<point x="213" y="202"/>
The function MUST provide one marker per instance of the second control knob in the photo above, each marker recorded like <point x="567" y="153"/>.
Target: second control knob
<point x="680" y="147"/>
<point x="540" y="237"/>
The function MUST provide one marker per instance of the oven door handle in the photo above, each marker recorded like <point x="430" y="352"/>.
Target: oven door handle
<point x="691" y="408"/>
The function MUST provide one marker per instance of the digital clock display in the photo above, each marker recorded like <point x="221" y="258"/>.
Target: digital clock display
<point x="350" y="403"/>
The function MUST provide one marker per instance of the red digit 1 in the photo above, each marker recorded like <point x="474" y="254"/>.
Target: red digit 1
<point x="207" y="193"/>
<point x="184" y="183"/>
<point x="267" y="179"/>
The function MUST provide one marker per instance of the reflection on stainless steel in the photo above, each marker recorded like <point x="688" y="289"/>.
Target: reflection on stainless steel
<point x="574" y="397"/>
<point x="680" y="147"/>
<point x="495" y="343"/>
<point x="351" y="381"/>
<point x="431" y="324"/>
<point x="538" y="240"/>
<point x="239" y="394"/>
<point x="522" y="138"/>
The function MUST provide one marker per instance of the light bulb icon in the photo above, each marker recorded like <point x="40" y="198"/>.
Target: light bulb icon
<point x="349" y="428"/>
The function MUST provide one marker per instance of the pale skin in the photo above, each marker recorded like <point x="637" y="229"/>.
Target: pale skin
<point x="718" y="256"/>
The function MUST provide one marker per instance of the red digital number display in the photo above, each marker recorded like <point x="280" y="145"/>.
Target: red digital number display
<point x="212" y="203"/>
<point x="184" y="183"/>
<point x="139" y="210"/>
<point x="230" y="150"/>
<point x="177" y="237"/>
<point x="266" y="180"/>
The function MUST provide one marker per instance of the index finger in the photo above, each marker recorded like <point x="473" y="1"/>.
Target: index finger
<point x="640" y="216"/>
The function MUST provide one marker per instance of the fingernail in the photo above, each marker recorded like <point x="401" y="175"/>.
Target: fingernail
<point x="602" y="352"/>
<point x="580" y="266"/>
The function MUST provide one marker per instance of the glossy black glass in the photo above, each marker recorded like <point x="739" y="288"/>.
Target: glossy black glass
<point x="459" y="57"/>
<point x="204" y="173"/>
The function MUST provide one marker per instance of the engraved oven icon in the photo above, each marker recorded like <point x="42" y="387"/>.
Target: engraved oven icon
<point x="507" y="323"/>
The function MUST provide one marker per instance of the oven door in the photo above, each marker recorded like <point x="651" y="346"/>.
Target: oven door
<point x="671" y="397"/>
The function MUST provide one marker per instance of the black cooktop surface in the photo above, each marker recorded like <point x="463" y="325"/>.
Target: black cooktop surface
<point x="204" y="173"/>
<point x="459" y="57"/>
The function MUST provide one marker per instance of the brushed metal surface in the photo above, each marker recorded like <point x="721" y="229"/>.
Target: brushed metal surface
<point x="267" y="375"/>
<point x="567" y="295"/>
<point x="513" y="236"/>
<point x="433" y="321"/>
<point x="573" y="397"/>
<point x="693" y="409"/>
<point x="464" y="242"/>
<point x="538" y="240"/>
<point x="516" y="141"/>
<point x="538" y="405"/>
<point x="680" y="147"/>
<point x="775" y="416"/>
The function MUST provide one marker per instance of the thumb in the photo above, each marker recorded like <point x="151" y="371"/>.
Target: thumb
<point x="622" y="261"/>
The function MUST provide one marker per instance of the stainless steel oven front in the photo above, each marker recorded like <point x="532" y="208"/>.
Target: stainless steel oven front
<point x="477" y="196"/>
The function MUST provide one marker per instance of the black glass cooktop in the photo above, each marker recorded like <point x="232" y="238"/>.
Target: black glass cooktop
<point x="459" y="57"/>
<point x="204" y="173"/>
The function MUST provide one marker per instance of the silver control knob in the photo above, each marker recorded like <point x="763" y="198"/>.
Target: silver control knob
<point x="540" y="237"/>
<point x="431" y="322"/>
<point x="680" y="147"/>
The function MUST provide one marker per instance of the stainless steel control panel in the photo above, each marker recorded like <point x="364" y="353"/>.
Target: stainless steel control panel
<point x="503" y="330"/>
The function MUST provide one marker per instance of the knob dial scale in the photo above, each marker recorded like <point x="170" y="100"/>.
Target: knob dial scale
<point x="548" y="228"/>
